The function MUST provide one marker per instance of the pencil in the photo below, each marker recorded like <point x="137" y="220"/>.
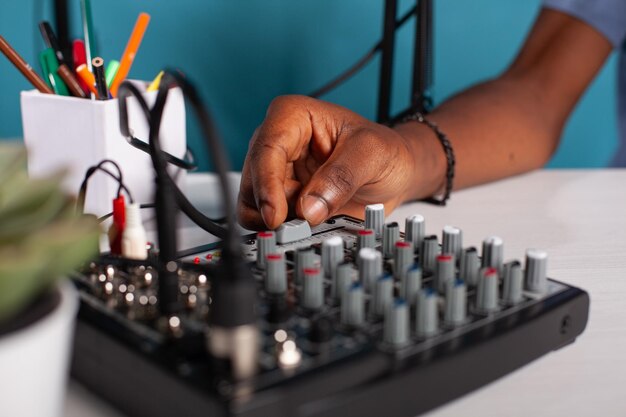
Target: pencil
<point x="101" y="84"/>
<point x="86" y="75"/>
<point x="131" y="50"/>
<point x="23" y="67"/>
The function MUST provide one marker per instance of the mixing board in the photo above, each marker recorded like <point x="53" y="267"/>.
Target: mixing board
<point x="354" y="319"/>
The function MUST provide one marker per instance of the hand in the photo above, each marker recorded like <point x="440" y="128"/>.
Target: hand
<point x="314" y="159"/>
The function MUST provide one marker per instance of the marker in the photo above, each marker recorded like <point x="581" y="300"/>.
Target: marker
<point x="51" y="41"/>
<point x="111" y="71"/>
<point x="23" y="67"/>
<point x="98" y="71"/>
<point x="131" y="51"/>
<point x="71" y="82"/>
<point x="49" y="66"/>
<point x="154" y="85"/>
<point x="90" y="44"/>
<point x="80" y="58"/>
<point x="87" y="77"/>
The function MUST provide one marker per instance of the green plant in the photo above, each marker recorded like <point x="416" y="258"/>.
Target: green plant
<point x="41" y="237"/>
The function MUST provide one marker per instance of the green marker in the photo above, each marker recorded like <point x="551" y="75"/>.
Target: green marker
<point x="111" y="71"/>
<point x="49" y="66"/>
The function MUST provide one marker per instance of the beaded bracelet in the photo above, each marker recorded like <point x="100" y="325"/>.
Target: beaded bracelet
<point x="447" y="148"/>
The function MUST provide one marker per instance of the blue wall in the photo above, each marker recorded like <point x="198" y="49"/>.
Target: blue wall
<point x="242" y="53"/>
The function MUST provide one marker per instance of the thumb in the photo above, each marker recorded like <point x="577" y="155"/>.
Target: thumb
<point x="331" y="187"/>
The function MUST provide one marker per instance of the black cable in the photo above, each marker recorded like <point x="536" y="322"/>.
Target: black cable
<point x="356" y="67"/>
<point x="80" y="202"/>
<point x="127" y="89"/>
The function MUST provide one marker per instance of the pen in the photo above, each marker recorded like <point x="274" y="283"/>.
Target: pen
<point x="111" y="71"/>
<point x="51" y="41"/>
<point x="80" y="58"/>
<point x="98" y="71"/>
<point x="87" y="77"/>
<point x="49" y="66"/>
<point x="131" y="50"/>
<point x="90" y="44"/>
<point x="154" y="85"/>
<point x="23" y="67"/>
<point x="64" y="72"/>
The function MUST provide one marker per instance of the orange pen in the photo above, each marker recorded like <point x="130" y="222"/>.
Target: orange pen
<point x="87" y="77"/>
<point x="129" y="53"/>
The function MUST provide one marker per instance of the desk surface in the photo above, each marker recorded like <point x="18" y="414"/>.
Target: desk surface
<point x="579" y="217"/>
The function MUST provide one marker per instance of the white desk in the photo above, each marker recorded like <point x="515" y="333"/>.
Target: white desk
<point x="579" y="217"/>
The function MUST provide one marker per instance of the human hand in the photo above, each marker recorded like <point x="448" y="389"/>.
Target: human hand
<point x="314" y="159"/>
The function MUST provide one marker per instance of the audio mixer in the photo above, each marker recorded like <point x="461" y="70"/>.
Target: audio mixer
<point x="354" y="318"/>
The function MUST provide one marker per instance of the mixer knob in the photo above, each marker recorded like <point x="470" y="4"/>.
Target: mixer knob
<point x="313" y="289"/>
<point x="444" y="272"/>
<point x="383" y="295"/>
<point x="403" y="259"/>
<point x="426" y="318"/>
<point x="452" y="241"/>
<point x="276" y="274"/>
<point x="412" y="284"/>
<point x="352" y="306"/>
<point x="536" y="269"/>
<point x="305" y="258"/>
<point x="345" y="275"/>
<point x="469" y="266"/>
<point x="396" y="326"/>
<point x="456" y="307"/>
<point x="513" y="283"/>
<point x="370" y="267"/>
<point x="391" y="234"/>
<point x="487" y="295"/>
<point x="374" y="218"/>
<point x="493" y="250"/>
<point x="265" y="244"/>
<point x="429" y="252"/>
<point x="365" y="238"/>
<point x="332" y="254"/>
<point x="414" y="230"/>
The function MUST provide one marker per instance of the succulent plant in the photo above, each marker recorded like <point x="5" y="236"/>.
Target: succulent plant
<point x="41" y="237"/>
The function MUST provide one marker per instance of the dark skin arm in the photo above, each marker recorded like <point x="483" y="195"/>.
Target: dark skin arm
<point x="313" y="159"/>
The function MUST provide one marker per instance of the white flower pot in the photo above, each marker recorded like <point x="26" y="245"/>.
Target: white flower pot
<point x="34" y="361"/>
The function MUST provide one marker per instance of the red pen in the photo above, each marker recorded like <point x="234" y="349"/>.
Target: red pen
<point x="80" y="58"/>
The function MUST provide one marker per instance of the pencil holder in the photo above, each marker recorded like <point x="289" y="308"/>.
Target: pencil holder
<point x="74" y="134"/>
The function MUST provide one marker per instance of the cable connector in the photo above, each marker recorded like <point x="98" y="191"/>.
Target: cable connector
<point x="117" y="227"/>
<point x="134" y="241"/>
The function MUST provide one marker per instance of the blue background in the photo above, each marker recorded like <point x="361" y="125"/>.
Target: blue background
<point x="242" y="53"/>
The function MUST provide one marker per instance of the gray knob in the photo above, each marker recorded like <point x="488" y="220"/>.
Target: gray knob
<point x="332" y="255"/>
<point x="414" y="230"/>
<point x="513" y="283"/>
<point x="412" y="284"/>
<point x="493" y="253"/>
<point x="365" y="238"/>
<point x="429" y="252"/>
<point x="391" y="234"/>
<point x="452" y="241"/>
<point x="444" y="272"/>
<point x="265" y="244"/>
<point x="426" y="318"/>
<point x="345" y="276"/>
<point x="313" y="289"/>
<point x="370" y="267"/>
<point x="383" y="295"/>
<point x="487" y="295"/>
<point x="396" y="326"/>
<point x="536" y="270"/>
<point x="456" y="307"/>
<point x="375" y="218"/>
<point x="403" y="259"/>
<point x="352" y="307"/>
<point x="469" y="266"/>
<point x="276" y="273"/>
<point x="305" y="258"/>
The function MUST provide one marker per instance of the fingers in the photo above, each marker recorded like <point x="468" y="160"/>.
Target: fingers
<point x="335" y="183"/>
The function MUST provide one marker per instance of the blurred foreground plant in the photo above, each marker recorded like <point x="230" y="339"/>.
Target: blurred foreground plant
<point x="41" y="237"/>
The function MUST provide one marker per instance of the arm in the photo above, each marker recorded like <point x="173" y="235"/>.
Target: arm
<point x="315" y="159"/>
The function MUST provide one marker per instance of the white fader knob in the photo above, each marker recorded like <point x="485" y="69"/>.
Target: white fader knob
<point x="313" y="289"/>
<point x="391" y="234"/>
<point x="265" y="244"/>
<point x="536" y="267"/>
<point x="493" y="250"/>
<point x="375" y="218"/>
<point x="332" y="255"/>
<point x="370" y="267"/>
<point x="276" y="273"/>
<point x="352" y="306"/>
<point x="452" y="241"/>
<point x="396" y="325"/>
<point x="414" y="230"/>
